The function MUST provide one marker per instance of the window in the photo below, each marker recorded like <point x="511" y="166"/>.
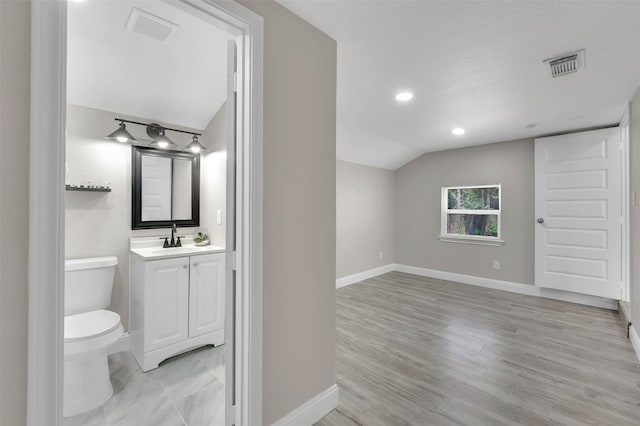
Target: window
<point x="471" y="214"/>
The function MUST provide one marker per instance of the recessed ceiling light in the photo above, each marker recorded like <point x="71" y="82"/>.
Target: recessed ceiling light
<point x="458" y="131"/>
<point x="404" y="96"/>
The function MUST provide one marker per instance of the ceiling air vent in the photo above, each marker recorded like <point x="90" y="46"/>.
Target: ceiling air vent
<point x="565" y="64"/>
<point x="150" y="25"/>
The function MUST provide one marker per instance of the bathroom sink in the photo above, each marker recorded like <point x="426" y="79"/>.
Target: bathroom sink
<point x="156" y="252"/>
<point x="181" y="250"/>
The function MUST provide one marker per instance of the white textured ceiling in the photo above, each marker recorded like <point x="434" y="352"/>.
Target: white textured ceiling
<point x="475" y="65"/>
<point x="181" y="81"/>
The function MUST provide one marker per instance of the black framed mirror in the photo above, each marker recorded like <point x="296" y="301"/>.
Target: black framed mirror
<point x="165" y="188"/>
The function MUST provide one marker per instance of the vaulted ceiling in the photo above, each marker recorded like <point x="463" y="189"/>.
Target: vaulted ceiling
<point x="475" y="65"/>
<point x="180" y="81"/>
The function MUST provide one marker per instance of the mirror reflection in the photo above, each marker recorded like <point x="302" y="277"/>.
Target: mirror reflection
<point x="166" y="188"/>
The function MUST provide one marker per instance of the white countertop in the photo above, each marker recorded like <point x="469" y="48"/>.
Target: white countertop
<point x="150" y="248"/>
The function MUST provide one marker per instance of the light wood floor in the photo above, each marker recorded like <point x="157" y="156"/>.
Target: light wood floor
<point x="417" y="351"/>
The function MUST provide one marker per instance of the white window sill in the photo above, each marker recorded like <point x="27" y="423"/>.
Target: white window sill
<point x="471" y="240"/>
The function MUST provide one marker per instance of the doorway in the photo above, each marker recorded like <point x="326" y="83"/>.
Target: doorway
<point x="47" y="173"/>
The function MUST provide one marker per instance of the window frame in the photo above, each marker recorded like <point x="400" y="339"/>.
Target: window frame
<point x="445" y="211"/>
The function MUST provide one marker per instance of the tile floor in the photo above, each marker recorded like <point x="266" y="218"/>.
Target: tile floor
<point x="185" y="390"/>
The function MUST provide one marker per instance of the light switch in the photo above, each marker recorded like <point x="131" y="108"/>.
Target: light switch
<point x="219" y="217"/>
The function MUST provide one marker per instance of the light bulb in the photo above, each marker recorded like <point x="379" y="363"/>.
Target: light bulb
<point x="404" y="96"/>
<point x="121" y="139"/>
<point x="163" y="144"/>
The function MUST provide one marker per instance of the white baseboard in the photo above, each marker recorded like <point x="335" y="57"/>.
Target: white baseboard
<point x="512" y="287"/>
<point x="623" y="309"/>
<point x="635" y="340"/>
<point x="361" y="276"/>
<point x="313" y="410"/>
<point x="121" y="345"/>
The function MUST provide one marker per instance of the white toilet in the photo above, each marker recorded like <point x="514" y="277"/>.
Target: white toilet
<point x="89" y="333"/>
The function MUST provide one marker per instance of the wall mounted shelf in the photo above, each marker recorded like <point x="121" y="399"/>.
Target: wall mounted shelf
<point x="87" y="189"/>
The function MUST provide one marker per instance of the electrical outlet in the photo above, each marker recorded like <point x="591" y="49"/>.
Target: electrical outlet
<point x="380" y="254"/>
<point x="496" y="265"/>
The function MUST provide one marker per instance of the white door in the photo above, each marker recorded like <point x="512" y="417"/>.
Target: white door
<point x="578" y="213"/>
<point x="206" y="294"/>
<point x="167" y="302"/>
<point x="156" y="188"/>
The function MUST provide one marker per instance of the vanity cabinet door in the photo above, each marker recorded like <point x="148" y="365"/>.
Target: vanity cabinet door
<point x="206" y="295"/>
<point x="167" y="302"/>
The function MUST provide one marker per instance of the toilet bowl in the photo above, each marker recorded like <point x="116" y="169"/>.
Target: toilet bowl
<point x="89" y="332"/>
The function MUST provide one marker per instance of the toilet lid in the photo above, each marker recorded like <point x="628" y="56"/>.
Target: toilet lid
<point x="89" y="324"/>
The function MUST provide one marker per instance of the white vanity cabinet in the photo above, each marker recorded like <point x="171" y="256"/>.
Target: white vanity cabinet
<point x="177" y="304"/>
<point x="206" y="294"/>
<point x="166" y="310"/>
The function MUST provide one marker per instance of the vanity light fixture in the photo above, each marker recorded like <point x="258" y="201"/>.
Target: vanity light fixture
<point x="157" y="134"/>
<point x="122" y="135"/>
<point x="195" y="146"/>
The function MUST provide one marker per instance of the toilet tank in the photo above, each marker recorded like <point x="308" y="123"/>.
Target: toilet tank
<point x="88" y="284"/>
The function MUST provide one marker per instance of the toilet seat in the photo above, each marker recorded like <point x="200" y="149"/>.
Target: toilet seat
<point x="89" y="324"/>
<point x="90" y="331"/>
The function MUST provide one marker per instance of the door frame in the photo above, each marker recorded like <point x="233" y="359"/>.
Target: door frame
<point x="626" y="206"/>
<point x="47" y="206"/>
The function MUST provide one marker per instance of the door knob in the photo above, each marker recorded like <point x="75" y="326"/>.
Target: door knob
<point x="540" y="220"/>
<point x="185" y="266"/>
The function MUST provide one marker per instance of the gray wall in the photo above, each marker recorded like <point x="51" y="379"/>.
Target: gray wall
<point x="634" y="148"/>
<point x="417" y="214"/>
<point x="99" y="224"/>
<point x="364" y="218"/>
<point x="299" y="210"/>
<point x="213" y="172"/>
<point x="14" y="208"/>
